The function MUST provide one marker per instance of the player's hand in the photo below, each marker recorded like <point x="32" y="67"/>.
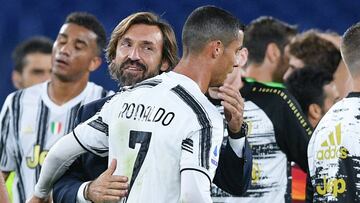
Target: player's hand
<point x="232" y="101"/>
<point x="108" y="187"/>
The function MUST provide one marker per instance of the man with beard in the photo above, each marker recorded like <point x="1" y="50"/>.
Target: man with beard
<point x="278" y="130"/>
<point x="141" y="46"/>
<point x="33" y="119"/>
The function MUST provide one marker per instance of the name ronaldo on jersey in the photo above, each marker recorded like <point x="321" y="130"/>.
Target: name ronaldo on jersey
<point x="140" y="112"/>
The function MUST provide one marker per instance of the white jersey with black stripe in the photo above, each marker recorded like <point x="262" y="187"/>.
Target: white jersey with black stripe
<point x="30" y="124"/>
<point x="334" y="153"/>
<point x="155" y="130"/>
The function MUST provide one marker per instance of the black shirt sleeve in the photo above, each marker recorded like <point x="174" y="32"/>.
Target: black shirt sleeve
<point x="292" y="132"/>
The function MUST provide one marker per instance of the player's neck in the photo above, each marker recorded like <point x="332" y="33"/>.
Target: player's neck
<point x="197" y="69"/>
<point x="259" y="73"/>
<point x="61" y="92"/>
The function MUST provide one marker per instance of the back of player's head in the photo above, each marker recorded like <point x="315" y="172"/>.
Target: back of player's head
<point x="169" y="52"/>
<point x="209" y="23"/>
<point x="307" y="86"/>
<point x="350" y="46"/>
<point x="315" y="51"/>
<point x="90" y="22"/>
<point x="33" y="45"/>
<point x="263" y="31"/>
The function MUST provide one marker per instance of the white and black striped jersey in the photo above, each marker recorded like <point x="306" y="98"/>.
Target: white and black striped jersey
<point x="156" y="130"/>
<point x="30" y="124"/>
<point x="334" y="153"/>
<point x="278" y="133"/>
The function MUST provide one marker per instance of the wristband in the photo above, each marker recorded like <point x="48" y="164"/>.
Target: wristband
<point x="242" y="133"/>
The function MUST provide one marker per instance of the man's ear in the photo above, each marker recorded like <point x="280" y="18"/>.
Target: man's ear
<point x="95" y="63"/>
<point x="314" y="112"/>
<point x="243" y="57"/>
<point x="164" y="66"/>
<point x="217" y="48"/>
<point x="273" y="52"/>
<point x="16" y="79"/>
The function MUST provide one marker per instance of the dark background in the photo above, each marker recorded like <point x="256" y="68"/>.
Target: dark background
<point x="20" y="19"/>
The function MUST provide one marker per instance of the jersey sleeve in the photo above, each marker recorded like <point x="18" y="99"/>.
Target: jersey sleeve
<point x="7" y="136"/>
<point x="93" y="134"/>
<point x="294" y="138"/>
<point x="201" y="150"/>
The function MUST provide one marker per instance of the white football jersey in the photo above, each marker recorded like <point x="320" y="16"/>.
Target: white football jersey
<point x="30" y="124"/>
<point x="334" y="153"/>
<point x="155" y="130"/>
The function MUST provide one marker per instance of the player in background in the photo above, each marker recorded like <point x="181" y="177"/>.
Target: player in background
<point x="32" y="65"/>
<point x="333" y="151"/>
<point x="315" y="91"/>
<point x="197" y="134"/>
<point x="33" y="119"/>
<point x="311" y="49"/>
<point x="278" y="130"/>
<point x="319" y="50"/>
<point x="32" y="62"/>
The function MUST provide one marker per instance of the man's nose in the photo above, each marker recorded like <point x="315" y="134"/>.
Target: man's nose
<point x="65" y="49"/>
<point x="134" y="54"/>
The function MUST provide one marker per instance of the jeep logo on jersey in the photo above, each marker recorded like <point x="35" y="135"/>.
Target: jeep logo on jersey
<point x="331" y="186"/>
<point x="148" y="114"/>
<point x="255" y="173"/>
<point x="331" y="148"/>
<point x="37" y="158"/>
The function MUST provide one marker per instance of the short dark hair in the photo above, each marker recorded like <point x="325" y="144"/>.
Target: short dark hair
<point x="206" y="24"/>
<point x="90" y="22"/>
<point x="263" y="31"/>
<point x="37" y="44"/>
<point x="307" y="86"/>
<point x="315" y="51"/>
<point x="350" y="46"/>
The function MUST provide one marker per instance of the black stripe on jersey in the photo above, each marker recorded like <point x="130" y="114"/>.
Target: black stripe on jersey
<point x="4" y="135"/>
<point x="188" y="142"/>
<point x="186" y="148"/>
<point x="18" y="154"/>
<point x="99" y="151"/>
<point x="187" y="145"/>
<point x="71" y="119"/>
<point x="194" y="169"/>
<point x="99" y="125"/>
<point x="16" y="109"/>
<point x="146" y="83"/>
<point x="204" y="121"/>
<point x="43" y="121"/>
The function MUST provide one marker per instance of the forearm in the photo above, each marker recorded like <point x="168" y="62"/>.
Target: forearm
<point x="58" y="160"/>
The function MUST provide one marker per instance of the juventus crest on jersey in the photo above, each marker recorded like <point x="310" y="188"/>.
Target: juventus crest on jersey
<point x="155" y="130"/>
<point x="334" y="153"/>
<point x="30" y="124"/>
